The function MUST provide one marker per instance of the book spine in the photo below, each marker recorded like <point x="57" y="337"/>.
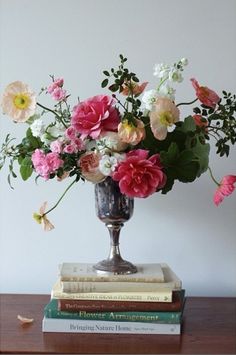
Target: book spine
<point x="161" y="296"/>
<point x="147" y="317"/>
<point x="116" y="278"/>
<point x="97" y="326"/>
<point x="116" y="286"/>
<point x="113" y="306"/>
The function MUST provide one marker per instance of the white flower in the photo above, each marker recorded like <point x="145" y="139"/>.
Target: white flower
<point x="167" y="91"/>
<point x="110" y="141"/>
<point x="37" y="128"/>
<point x="175" y="76"/>
<point x="18" y="101"/>
<point x="161" y="70"/>
<point x="108" y="163"/>
<point x="149" y="98"/>
<point x="56" y="130"/>
<point x="184" y="61"/>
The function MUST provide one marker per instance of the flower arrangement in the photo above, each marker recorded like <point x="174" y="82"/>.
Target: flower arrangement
<point x="134" y="135"/>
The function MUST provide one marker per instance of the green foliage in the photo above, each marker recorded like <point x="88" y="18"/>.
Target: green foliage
<point x="26" y="169"/>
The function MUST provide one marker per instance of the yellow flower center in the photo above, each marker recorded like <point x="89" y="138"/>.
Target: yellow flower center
<point x="127" y="125"/>
<point x="21" y="101"/>
<point x="166" y="118"/>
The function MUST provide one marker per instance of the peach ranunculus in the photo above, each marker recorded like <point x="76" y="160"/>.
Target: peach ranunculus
<point x="207" y="96"/>
<point x="226" y="188"/>
<point x="138" y="175"/>
<point x="131" y="133"/>
<point x="94" y="116"/>
<point x="89" y="164"/>
<point x="18" y="101"/>
<point x="136" y="89"/>
<point x="163" y="115"/>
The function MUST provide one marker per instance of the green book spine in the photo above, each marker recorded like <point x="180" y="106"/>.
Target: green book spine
<point x="51" y="311"/>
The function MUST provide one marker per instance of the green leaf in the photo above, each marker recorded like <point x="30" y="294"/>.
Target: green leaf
<point x="106" y="73"/>
<point x="201" y="151"/>
<point x="26" y="168"/>
<point x="104" y="83"/>
<point x="188" y="125"/>
<point x="168" y="158"/>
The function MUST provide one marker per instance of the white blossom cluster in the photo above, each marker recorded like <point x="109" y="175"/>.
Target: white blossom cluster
<point x="167" y="75"/>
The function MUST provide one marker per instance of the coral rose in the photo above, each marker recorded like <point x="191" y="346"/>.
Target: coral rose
<point x="138" y="175"/>
<point x="94" y="116"/>
<point x="207" y="96"/>
<point x="89" y="163"/>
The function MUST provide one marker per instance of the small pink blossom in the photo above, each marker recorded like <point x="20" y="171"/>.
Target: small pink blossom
<point x="70" y="133"/>
<point x="207" y="96"/>
<point x="46" y="164"/>
<point x="199" y="121"/>
<point x="58" y="94"/>
<point x="89" y="163"/>
<point x="70" y="148"/>
<point x="138" y="175"/>
<point x="136" y="90"/>
<point x="56" y="146"/>
<point x="56" y="83"/>
<point x="225" y="188"/>
<point x="95" y="115"/>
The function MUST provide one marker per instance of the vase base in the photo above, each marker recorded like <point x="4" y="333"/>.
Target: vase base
<point x="115" y="267"/>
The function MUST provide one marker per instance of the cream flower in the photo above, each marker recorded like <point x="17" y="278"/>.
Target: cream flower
<point x="41" y="218"/>
<point x="129" y="133"/>
<point x="164" y="115"/>
<point x="18" y="101"/>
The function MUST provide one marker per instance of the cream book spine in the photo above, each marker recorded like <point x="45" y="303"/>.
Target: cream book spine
<point x="85" y="272"/>
<point x="94" y="326"/>
<point x="164" y="295"/>
<point x="90" y="286"/>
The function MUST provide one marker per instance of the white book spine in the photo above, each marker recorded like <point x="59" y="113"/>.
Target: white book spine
<point x="70" y="286"/>
<point x="94" y="326"/>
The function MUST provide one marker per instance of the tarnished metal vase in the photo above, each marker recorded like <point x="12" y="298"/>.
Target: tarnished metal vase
<point x="113" y="208"/>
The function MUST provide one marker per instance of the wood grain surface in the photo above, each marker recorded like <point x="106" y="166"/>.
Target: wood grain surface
<point x="209" y="327"/>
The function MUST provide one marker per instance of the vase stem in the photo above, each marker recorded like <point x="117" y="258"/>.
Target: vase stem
<point x="114" y="231"/>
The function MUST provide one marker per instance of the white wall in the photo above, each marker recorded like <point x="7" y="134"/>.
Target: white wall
<point x="77" y="39"/>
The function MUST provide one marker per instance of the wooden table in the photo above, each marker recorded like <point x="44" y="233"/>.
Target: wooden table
<point x="209" y="327"/>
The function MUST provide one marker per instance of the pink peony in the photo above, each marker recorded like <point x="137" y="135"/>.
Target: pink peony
<point x="89" y="163"/>
<point x="207" y="96"/>
<point x="95" y="115"/>
<point x="46" y="164"/>
<point x="225" y="188"/>
<point x="138" y="175"/>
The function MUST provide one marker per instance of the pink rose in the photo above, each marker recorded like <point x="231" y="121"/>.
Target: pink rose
<point x="207" y="96"/>
<point x="70" y="133"/>
<point x="94" y="116"/>
<point x="138" y="175"/>
<point x="225" y="188"/>
<point x="89" y="163"/>
<point x="46" y="164"/>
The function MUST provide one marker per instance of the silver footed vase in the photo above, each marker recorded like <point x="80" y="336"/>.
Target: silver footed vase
<point x="113" y="208"/>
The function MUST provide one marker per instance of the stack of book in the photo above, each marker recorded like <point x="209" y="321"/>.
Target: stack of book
<point x="148" y="302"/>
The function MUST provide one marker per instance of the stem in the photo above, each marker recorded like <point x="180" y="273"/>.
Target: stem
<point x="187" y="103"/>
<point x="54" y="112"/>
<point x="216" y="182"/>
<point x="66" y="190"/>
<point x="161" y="82"/>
